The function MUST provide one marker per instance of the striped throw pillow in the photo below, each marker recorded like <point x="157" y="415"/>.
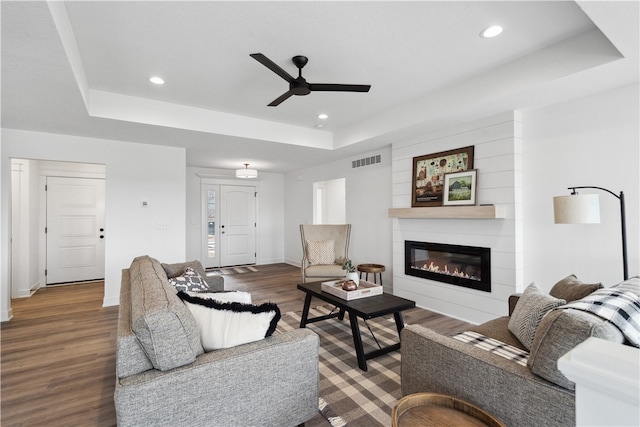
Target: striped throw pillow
<point x="529" y="311"/>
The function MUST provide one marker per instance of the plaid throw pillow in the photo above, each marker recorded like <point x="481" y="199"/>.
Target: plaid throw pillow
<point x="321" y="252"/>
<point x="529" y="311"/>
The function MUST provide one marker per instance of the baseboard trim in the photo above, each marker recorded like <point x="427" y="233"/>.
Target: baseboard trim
<point x="294" y="263"/>
<point x="5" y="316"/>
<point x="110" y="302"/>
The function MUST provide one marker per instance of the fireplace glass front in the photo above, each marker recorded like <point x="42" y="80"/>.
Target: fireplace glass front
<point x="466" y="266"/>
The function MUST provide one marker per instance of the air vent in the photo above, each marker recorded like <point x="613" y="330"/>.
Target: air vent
<point x="367" y="161"/>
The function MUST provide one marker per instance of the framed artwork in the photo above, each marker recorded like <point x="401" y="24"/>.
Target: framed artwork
<point x="429" y="172"/>
<point x="460" y="188"/>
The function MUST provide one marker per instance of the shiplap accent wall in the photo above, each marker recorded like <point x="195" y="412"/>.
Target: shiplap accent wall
<point x="497" y="157"/>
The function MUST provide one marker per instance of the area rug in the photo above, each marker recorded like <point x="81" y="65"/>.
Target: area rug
<point x="232" y="270"/>
<point x="348" y="395"/>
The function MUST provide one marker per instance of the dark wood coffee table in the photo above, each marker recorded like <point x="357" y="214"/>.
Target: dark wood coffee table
<point x="365" y="308"/>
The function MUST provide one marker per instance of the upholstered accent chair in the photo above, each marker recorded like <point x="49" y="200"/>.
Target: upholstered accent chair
<point x="324" y="249"/>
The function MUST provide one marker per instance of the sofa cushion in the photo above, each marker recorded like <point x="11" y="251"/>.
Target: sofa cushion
<point x="529" y="311"/>
<point x="164" y="326"/>
<point x="620" y="307"/>
<point x="571" y="289"/>
<point x="324" y="271"/>
<point x="130" y="356"/>
<point x="630" y="285"/>
<point x="321" y="251"/>
<point x="560" y="331"/>
<point x="228" y="324"/>
<point x="498" y="329"/>
<point x="189" y="281"/>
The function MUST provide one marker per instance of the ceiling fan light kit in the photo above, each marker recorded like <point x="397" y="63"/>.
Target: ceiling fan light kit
<point x="299" y="86"/>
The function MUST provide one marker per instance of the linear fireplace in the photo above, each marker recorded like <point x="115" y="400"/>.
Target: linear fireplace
<point x="466" y="266"/>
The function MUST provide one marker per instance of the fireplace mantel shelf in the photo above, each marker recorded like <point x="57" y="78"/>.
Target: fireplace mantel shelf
<point x="450" y="212"/>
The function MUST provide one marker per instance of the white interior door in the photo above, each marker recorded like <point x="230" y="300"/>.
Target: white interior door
<point x="237" y="225"/>
<point x="75" y="229"/>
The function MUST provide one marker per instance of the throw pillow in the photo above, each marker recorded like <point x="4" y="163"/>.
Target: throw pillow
<point x="529" y="311"/>
<point x="571" y="289"/>
<point x="189" y="281"/>
<point x="224" y="296"/>
<point x="321" y="252"/>
<point x="224" y="325"/>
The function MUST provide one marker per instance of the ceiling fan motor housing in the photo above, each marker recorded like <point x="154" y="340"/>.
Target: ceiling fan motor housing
<point x="300" y="86"/>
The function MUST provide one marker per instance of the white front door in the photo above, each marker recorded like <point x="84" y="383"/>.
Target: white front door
<point x="75" y="229"/>
<point x="237" y="225"/>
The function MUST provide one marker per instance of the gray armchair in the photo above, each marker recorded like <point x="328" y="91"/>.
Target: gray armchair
<point x="322" y="259"/>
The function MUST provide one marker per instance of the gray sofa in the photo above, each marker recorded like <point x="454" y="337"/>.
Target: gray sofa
<point x="537" y="394"/>
<point x="164" y="377"/>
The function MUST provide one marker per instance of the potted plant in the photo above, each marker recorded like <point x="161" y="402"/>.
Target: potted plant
<point x="351" y="271"/>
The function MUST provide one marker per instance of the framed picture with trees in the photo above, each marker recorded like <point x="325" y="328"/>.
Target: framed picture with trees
<point x="429" y="172"/>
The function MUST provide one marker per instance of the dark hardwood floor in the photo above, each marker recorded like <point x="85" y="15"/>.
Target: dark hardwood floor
<point x="58" y="351"/>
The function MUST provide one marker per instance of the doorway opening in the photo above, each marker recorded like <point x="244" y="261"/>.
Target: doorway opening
<point x="58" y="237"/>
<point x="329" y="202"/>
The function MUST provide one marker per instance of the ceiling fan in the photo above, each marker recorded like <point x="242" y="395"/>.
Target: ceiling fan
<point x="299" y="86"/>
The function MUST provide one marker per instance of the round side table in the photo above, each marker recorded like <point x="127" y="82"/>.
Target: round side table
<point x="371" y="268"/>
<point x="435" y="410"/>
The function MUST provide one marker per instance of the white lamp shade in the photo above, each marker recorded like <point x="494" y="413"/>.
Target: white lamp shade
<point x="576" y="209"/>
<point x="246" y="173"/>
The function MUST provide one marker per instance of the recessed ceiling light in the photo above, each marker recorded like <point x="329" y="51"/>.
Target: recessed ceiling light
<point x="491" y="31"/>
<point x="323" y="116"/>
<point x="156" y="80"/>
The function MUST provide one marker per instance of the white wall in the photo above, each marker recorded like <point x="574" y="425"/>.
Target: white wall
<point x="592" y="141"/>
<point x="24" y="243"/>
<point x="270" y="211"/>
<point x="368" y="198"/>
<point x="497" y="148"/>
<point x="135" y="172"/>
<point x="335" y="202"/>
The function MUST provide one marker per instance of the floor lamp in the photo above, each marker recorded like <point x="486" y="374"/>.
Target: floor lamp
<point x="585" y="209"/>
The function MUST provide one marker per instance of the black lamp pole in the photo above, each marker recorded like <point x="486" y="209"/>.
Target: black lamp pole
<point x="623" y="222"/>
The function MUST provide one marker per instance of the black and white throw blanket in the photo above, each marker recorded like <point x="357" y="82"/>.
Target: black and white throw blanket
<point x="494" y="346"/>
<point x="622" y="308"/>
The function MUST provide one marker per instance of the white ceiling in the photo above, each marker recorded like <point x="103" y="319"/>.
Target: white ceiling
<point x="82" y="68"/>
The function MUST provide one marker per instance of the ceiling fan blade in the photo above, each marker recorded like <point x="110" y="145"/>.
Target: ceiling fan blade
<point x="272" y="66"/>
<point x="281" y="98"/>
<point x="338" y="87"/>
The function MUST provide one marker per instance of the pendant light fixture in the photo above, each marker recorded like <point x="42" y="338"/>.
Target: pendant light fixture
<point x="246" y="172"/>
